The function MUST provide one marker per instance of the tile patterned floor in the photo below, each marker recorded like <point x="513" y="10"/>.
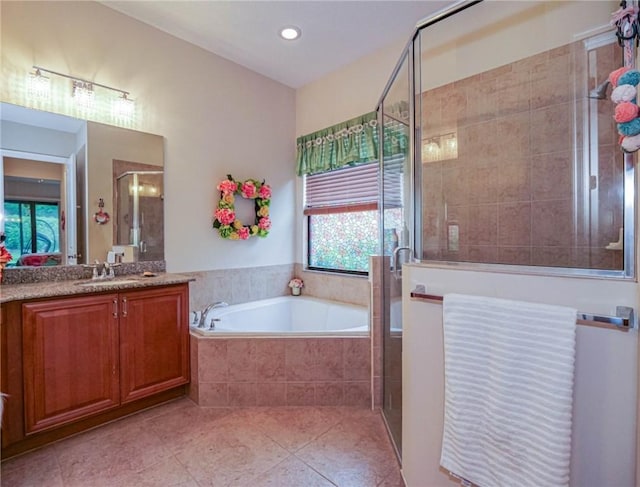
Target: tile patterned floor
<point x="180" y="444"/>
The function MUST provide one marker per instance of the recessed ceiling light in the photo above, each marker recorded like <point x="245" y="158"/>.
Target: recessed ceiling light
<point x="290" y="33"/>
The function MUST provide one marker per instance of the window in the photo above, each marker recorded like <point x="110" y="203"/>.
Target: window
<point x="340" y="166"/>
<point x="342" y="218"/>
<point x="31" y="227"/>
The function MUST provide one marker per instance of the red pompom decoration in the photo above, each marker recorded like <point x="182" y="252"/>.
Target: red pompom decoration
<point x="615" y="75"/>
<point x="625" y="112"/>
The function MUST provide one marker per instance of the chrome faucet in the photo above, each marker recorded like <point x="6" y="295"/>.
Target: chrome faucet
<point x="205" y="312"/>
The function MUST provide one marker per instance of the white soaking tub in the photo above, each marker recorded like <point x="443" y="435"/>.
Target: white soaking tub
<point x="287" y="316"/>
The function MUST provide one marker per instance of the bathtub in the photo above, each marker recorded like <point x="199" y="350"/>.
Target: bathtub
<point x="287" y="316"/>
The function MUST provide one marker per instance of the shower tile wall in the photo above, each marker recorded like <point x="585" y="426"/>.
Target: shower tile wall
<point x="510" y="192"/>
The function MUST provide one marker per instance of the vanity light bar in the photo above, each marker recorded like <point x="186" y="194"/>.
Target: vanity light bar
<point x="122" y="107"/>
<point x="80" y="80"/>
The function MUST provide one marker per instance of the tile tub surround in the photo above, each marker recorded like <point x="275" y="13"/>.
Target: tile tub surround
<point x="240" y="285"/>
<point x="376" y="264"/>
<point x="280" y="372"/>
<point x="334" y="287"/>
<point x="182" y="444"/>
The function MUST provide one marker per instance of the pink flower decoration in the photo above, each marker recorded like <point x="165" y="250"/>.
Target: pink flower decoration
<point x="225" y="216"/>
<point x="248" y="189"/>
<point x="227" y="186"/>
<point x="243" y="233"/>
<point x="625" y="112"/>
<point x="265" y="192"/>
<point x="615" y="75"/>
<point x="264" y="223"/>
<point x="5" y="255"/>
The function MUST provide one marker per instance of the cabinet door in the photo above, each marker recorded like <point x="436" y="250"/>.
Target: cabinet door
<point x="154" y="341"/>
<point x="70" y="359"/>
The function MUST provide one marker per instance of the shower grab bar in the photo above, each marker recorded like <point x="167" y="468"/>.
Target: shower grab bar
<point x="623" y="321"/>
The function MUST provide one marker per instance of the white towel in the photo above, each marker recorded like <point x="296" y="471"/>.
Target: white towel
<point x="508" y="391"/>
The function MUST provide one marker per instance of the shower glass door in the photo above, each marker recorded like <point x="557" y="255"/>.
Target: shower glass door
<point x="140" y="213"/>
<point x="397" y="228"/>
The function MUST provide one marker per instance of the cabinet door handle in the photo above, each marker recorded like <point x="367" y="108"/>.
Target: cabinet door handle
<point x="124" y="307"/>
<point x="115" y="308"/>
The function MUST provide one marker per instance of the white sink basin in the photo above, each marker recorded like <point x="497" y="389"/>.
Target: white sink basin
<point x="109" y="282"/>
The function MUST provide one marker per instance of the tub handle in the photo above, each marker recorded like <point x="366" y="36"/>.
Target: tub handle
<point x="212" y="326"/>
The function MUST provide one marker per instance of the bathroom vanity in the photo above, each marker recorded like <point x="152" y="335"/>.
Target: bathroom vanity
<point x="75" y="355"/>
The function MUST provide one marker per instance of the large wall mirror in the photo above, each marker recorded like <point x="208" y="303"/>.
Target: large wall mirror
<point x="73" y="191"/>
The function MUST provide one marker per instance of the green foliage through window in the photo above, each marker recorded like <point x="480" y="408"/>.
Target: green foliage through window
<point x="26" y="219"/>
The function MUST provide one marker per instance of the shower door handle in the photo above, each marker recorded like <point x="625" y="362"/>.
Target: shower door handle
<point x="396" y="271"/>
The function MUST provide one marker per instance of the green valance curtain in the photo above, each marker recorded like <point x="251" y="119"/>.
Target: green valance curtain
<point x="345" y="144"/>
<point x="396" y="138"/>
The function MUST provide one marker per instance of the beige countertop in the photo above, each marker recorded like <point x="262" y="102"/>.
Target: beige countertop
<point x="19" y="292"/>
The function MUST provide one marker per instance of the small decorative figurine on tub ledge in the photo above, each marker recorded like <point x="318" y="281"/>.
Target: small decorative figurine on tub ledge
<point x="296" y="284"/>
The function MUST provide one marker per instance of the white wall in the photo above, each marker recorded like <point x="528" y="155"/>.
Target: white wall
<point x="604" y="406"/>
<point x="216" y="116"/>
<point x="339" y="96"/>
<point x="27" y="138"/>
<point x="347" y="92"/>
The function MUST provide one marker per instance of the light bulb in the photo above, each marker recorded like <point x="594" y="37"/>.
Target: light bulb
<point x="83" y="94"/>
<point x="122" y="108"/>
<point x="290" y="33"/>
<point x="39" y="86"/>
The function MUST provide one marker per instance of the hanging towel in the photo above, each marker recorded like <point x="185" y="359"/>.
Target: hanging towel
<point x="508" y="391"/>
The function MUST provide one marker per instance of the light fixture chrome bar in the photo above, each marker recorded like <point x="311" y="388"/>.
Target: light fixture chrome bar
<point x="75" y="78"/>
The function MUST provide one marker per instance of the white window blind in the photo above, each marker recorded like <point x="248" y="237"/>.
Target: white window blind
<point x="354" y="188"/>
<point x="348" y="189"/>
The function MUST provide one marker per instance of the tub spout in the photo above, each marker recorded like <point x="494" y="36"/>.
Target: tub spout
<point x="205" y="312"/>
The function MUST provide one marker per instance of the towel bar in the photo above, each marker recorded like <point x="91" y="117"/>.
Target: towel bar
<point x="623" y="320"/>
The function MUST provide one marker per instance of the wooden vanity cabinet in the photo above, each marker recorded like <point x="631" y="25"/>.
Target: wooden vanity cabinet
<point x="70" y="359"/>
<point x="71" y="363"/>
<point x="154" y="341"/>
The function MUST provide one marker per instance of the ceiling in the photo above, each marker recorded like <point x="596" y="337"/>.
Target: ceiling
<point x="334" y="33"/>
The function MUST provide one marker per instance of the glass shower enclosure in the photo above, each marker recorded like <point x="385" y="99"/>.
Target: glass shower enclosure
<point x="140" y="213"/>
<point x="502" y="155"/>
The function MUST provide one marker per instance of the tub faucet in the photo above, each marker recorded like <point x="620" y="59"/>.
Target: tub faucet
<point x="205" y="312"/>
